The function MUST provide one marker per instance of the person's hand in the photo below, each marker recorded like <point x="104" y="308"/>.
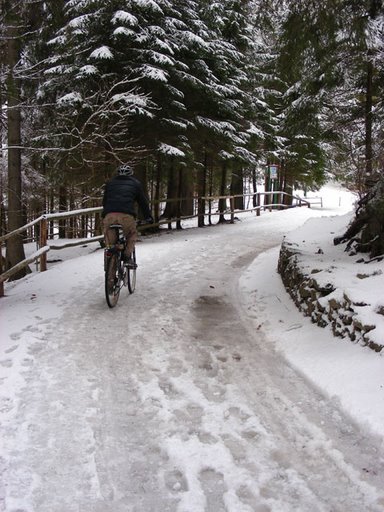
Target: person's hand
<point x="149" y="220"/>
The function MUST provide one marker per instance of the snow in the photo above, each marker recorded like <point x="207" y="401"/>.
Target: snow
<point x="130" y="98"/>
<point x="193" y="39"/>
<point x="355" y="276"/>
<point x="254" y="130"/>
<point x="88" y="70"/>
<point x="79" y="21"/>
<point x="57" y="69"/>
<point x="104" y="52"/>
<point x="123" y="31"/>
<point x="57" y="40"/>
<point x="205" y="390"/>
<point x="217" y="126"/>
<point x="154" y="73"/>
<point x="124" y="17"/>
<point x="354" y="374"/>
<point x="149" y="4"/>
<point x="70" y="98"/>
<point x="166" y="149"/>
<point x="160" y="58"/>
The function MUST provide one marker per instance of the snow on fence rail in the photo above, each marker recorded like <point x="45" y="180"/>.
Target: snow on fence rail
<point x="275" y="201"/>
<point x="314" y="200"/>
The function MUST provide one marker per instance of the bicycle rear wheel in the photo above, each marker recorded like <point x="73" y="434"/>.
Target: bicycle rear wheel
<point x="132" y="274"/>
<point x="113" y="277"/>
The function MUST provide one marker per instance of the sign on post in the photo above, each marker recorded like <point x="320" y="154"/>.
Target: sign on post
<point x="273" y="172"/>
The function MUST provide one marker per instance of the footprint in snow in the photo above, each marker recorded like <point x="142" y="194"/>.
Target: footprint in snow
<point x="176" y="481"/>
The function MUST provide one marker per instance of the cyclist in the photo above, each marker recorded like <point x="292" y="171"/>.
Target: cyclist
<point x="121" y="195"/>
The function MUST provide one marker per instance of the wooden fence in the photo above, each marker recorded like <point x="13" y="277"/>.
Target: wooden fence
<point x="275" y="201"/>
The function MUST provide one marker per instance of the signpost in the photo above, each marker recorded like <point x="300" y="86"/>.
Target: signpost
<point x="272" y="172"/>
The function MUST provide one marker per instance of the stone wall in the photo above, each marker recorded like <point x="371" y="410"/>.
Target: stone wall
<point x="324" y="304"/>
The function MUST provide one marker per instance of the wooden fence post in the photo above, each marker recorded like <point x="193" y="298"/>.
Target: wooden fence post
<point x="43" y="243"/>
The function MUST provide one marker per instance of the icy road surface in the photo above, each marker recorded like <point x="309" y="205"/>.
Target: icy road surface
<point x="172" y="401"/>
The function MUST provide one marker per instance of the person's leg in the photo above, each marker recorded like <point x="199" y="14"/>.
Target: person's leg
<point x="130" y="234"/>
<point x="129" y="228"/>
<point x="110" y="234"/>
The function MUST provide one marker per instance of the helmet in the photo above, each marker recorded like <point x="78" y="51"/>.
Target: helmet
<point x="125" y="170"/>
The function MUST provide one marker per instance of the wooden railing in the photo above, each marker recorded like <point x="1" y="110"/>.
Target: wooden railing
<point x="40" y="254"/>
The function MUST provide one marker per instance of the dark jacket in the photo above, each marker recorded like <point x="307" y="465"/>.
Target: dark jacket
<point x="121" y="195"/>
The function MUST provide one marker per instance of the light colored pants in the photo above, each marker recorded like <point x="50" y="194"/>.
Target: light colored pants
<point x="128" y="223"/>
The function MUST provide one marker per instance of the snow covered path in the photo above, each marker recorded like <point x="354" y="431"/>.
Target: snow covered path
<point x="172" y="401"/>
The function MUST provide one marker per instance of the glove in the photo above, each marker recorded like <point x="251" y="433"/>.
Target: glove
<point x="149" y="220"/>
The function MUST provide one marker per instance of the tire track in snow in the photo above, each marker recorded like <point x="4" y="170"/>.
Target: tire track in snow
<point x="169" y="402"/>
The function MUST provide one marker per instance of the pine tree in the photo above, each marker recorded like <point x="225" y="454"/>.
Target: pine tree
<point x="299" y="68"/>
<point x="362" y="54"/>
<point x="94" y="84"/>
<point x="19" y="19"/>
<point x="363" y="24"/>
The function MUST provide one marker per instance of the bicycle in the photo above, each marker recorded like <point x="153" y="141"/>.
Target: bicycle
<point x="118" y="274"/>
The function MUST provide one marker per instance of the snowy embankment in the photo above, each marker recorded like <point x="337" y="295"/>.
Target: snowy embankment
<point x="349" y="372"/>
<point x="333" y="288"/>
<point x="179" y="399"/>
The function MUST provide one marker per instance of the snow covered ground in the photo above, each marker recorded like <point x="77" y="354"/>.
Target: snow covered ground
<point x="204" y="391"/>
<point x="341" y="369"/>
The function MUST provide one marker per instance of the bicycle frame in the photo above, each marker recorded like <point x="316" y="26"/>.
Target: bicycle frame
<point x="117" y="275"/>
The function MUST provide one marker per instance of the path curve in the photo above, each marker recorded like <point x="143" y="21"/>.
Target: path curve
<point x="173" y="401"/>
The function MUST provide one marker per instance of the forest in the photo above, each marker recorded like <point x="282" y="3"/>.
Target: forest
<point x="200" y="96"/>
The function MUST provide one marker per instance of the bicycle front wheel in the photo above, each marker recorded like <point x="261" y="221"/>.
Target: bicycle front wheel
<point x="112" y="280"/>
<point x="132" y="274"/>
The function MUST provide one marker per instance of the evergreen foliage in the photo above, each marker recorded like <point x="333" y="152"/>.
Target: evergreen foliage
<point x="197" y="94"/>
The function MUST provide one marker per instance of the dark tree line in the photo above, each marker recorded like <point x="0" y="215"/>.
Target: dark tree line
<point x="199" y="95"/>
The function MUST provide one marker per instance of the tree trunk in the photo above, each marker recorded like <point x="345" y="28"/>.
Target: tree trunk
<point x="172" y="191"/>
<point x="156" y="206"/>
<point x="186" y="192"/>
<point x="375" y="8"/>
<point x="288" y="185"/>
<point x="237" y="189"/>
<point x="210" y="192"/>
<point x="3" y="219"/>
<point x="223" y="192"/>
<point x="254" y="187"/>
<point x="179" y="193"/>
<point x="72" y="221"/>
<point x="51" y="208"/>
<point x="62" y="208"/>
<point x="369" y="179"/>
<point x="15" y="248"/>
<point x="267" y="186"/>
<point x="201" y="191"/>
